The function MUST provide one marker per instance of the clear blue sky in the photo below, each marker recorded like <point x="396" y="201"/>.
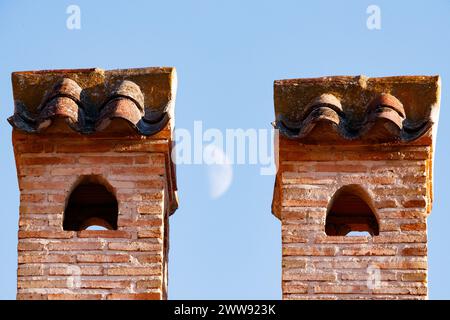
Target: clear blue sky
<point x="227" y="54"/>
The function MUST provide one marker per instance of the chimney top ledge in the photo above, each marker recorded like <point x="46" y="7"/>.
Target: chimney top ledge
<point x="346" y="109"/>
<point x="129" y="101"/>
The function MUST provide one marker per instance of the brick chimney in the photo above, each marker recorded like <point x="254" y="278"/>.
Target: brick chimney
<point x="355" y="155"/>
<point x="93" y="148"/>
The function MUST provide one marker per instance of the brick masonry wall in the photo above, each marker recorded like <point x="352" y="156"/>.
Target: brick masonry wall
<point x="128" y="263"/>
<point x="317" y="266"/>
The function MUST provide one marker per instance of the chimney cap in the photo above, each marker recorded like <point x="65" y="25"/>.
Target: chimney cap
<point x="355" y="109"/>
<point x="90" y="100"/>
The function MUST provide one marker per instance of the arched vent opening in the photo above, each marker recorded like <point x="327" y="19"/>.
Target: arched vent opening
<point x="91" y="205"/>
<point x="350" y="214"/>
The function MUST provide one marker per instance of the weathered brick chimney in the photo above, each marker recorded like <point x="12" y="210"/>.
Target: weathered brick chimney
<point x="355" y="154"/>
<point x="93" y="148"/>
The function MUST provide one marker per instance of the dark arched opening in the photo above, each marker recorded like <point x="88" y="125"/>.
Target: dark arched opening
<point x="91" y="203"/>
<point x="349" y="212"/>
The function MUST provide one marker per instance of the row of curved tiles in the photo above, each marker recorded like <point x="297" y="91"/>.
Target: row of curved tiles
<point x="125" y="101"/>
<point x="384" y="119"/>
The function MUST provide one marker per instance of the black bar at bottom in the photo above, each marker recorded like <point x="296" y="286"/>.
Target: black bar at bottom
<point x="221" y="309"/>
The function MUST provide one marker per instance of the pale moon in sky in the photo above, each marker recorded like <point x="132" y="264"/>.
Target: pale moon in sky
<point x="219" y="171"/>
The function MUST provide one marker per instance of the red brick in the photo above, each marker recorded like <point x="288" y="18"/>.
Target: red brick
<point x="31" y="296"/>
<point x="340" y="264"/>
<point x="369" y="251"/>
<point x="74" y="296"/>
<point x="44" y="258"/>
<point x="414" y="251"/>
<point x="309" y="251"/>
<point x="309" y="276"/>
<point x="293" y="238"/>
<point x="149" y="184"/>
<point x="37" y="284"/>
<point x="134" y="246"/>
<point x="413" y="227"/>
<point x="57" y="198"/>
<point x="148" y="284"/>
<point x="105" y="284"/>
<point x="77" y="148"/>
<point x="421" y="180"/>
<point x="75" y="246"/>
<point x="148" y="146"/>
<point x="33" y="197"/>
<point x="23" y="147"/>
<point x="74" y="171"/>
<point x="40" y="209"/>
<point x="104" y="234"/>
<point x="294" y="263"/>
<point x="67" y="270"/>
<point x="30" y="246"/>
<point x="339" y="289"/>
<point x="24" y="270"/>
<point x="150" y="233"/>
<point x="148" y="258"/>
<point x="126" y="222"/>
<point x="385" y="204"/>
<point x="105" y="160"/>
<point x="414" y="204"/>
<point x="133" y="271"/>
<point x="417" y="265"/>
<point x="293" y="215"/>
<point x="134" y="296"/>
<point x="30" y="224"/>
<point x="364" y="275"/>
<point x="404" y="214"/>
<point x="339" y="168"/>
<point x="142" y="159"/>
<point x="47" y="160"/>
<point x="294" y="287"/>
<point x="415" y="276"/>
<point x="103" y="258"/>
<point x="400" y="290"/>
<point x="150" y="209"/>
<point x="305" y="203"/>
<point x="341" y="240"/>
<point x="401" y="238"/>
<point x="398" y="191"/>
<point x="46" y="234"/>
<point x="42" y="185"/>
<point x="139" y="170"/>
<point x="152" y="196"/>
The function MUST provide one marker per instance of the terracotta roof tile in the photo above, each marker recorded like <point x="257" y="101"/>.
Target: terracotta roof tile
<point x="90" y="100"/>
<point x="342" y="109"/>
